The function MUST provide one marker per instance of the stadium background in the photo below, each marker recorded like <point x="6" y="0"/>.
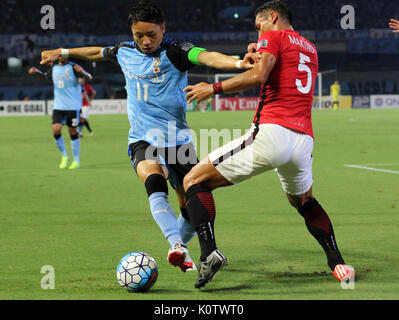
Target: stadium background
<point x="82" y="222"/>
<point x="364" y="60"/>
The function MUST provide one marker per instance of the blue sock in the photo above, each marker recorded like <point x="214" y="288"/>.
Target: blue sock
<point x="61" y="145"/>
<point x="165" y="217"/>
<point x="186" y="229"/>
<point x="75" y="149"/>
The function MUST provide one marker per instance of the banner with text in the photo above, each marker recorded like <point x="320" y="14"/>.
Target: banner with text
<point x="101" y="106"/>
<point x="384" y="101"/>
<point x="360" y="102"/>
<point x="344" y="102"/>
<point x="235" y="104"/>
<point x="23" y="108"/>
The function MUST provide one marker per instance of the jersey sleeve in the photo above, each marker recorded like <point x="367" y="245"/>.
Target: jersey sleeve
<point x="270" y="42"/>
<point x="77" y="75"/>
<point x="183" y="55"/>
<point x="109" y="53"/>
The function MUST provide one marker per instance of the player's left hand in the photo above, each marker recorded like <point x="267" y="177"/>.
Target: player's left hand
<point x="394" y="24"/>
<point x="201" y="91"/>
<point x="32" y="70"/>
<point x="250" y="59"/>
<point x="78" y="68"/>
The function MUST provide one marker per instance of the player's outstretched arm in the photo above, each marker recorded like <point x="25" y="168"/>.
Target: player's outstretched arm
<point x="219" y="60"/>
<point x="394" y="24"/>
<point x="244" y="81"/>
<point x="82" y="72"/>
<point x="84" y="53"/>
<point x="37" y="73"/>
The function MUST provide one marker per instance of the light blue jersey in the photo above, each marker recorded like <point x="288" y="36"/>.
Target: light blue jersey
<point x="67" y="90"/>
<point x="156" y="102"/>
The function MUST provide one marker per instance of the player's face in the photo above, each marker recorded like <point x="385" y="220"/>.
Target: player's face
<point x="62" y="60"/>
<point x="264" y="22"/>
<point x="148" y="36"/>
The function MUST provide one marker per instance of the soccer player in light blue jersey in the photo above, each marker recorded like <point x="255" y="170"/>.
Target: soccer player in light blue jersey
<point x="160" y="146"/>
<point x="67" y="105"/>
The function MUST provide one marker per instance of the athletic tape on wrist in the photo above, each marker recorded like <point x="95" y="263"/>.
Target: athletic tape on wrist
<point x="217" y="88"/>
<point x="64" y="53"/>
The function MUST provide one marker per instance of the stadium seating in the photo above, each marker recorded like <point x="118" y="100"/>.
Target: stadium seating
<point x="188" y="15"/>
<point x="217" y="25"/>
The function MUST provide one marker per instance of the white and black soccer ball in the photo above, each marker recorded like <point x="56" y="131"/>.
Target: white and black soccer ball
<point x="137" y="271"/>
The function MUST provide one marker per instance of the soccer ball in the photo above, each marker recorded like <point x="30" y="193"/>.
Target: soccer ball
<point x="137" y="272"/>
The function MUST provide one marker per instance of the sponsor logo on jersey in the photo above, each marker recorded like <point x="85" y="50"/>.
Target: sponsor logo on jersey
<point x="262" y="44"/>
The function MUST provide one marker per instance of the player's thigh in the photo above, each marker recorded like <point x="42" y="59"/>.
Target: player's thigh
<point x="56" y="128"/>
<point x="296" y="175"/>
<point x="58" y="119"/>
<point x="72" y="131"/>
<point x="73" y="118"/>
<point x="145" y="160"/>
<point x="248" y="156"/>
<point x="147" y="168"/>
<point x="205" y="173"/>
<point x="179" y="161"/>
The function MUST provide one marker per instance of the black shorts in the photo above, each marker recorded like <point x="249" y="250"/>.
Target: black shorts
<point x="178" y="160"/>
<point x="69" y="117"/>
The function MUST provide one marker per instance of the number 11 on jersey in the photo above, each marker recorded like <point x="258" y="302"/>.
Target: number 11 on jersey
<point x="145" y="92"/>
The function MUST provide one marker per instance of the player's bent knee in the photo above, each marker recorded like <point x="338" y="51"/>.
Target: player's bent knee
<point x="155" y="183"/>
<point x="74" y="136"/>
<point x="308" y="205"/>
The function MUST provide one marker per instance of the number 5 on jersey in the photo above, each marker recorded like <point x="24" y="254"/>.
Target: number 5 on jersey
<point x="303" y="59"/>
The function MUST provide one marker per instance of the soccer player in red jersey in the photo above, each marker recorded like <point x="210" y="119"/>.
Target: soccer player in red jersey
<point x="280" y="139"/>
<point x="88" y="94"/>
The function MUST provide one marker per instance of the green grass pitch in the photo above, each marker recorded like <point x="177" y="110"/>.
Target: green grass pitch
<point x="82" y="222"/>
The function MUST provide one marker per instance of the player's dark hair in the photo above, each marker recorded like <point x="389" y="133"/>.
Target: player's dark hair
<point x="276" y="5"/>
<point x="146" y="11"/>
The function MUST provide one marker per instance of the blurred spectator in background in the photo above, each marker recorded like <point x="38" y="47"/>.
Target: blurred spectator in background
<point x="335" y="92"/>
<point x="88" y="94"/>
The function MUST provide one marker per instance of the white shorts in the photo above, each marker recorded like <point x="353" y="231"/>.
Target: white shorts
<point x="85" y="112"/>
<point x="268" y="147"/>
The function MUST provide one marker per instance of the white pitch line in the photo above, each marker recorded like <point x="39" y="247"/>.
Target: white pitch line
<point x="370" y="168"/>
<point x="381" y="165"/>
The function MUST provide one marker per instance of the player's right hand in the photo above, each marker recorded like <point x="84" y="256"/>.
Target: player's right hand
<point x="49" y="56"/>
<point x="200" y="92"/>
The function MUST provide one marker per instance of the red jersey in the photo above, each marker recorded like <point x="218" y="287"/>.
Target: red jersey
<point x="287" y="95"/>
<point x="87" y="89"/>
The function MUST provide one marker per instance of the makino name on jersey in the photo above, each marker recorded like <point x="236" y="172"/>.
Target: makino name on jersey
<point x="156" y="102"/>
